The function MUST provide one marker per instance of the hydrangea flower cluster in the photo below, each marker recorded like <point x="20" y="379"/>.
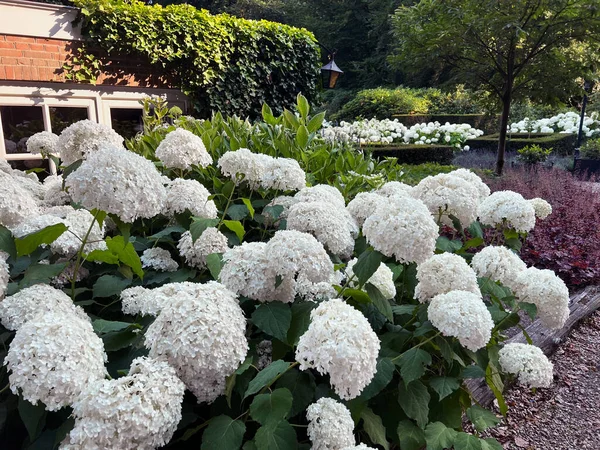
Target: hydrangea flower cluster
<point x="443" y="273"/>
<point x="43" y="143"/>
<point x="507" y="207"/>
<point x="541" y="207"/>
<point x="330" y="425"/>
<point x="158" y="259"/>
<point x="528" y="362"/>
<point x="4" y="276"/>
<point x="561" y="123"/>
<point x="498" y="264"/>
<point x="189" y="195"/>
<point x="201" y="333"/>
<point x="82" y="138"/>
<point x="16" y="203"/>
<point x="182" y="149"/>
<point x="340" y="342"/>
<point x="382" y="279"/>
<point x="195" y="253"/>
<point x="150" y="302"/>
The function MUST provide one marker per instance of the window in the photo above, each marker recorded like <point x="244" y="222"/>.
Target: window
<point x="63" y="116"/>
<point x="126" y="121"/>
<point x="18" y="124"/>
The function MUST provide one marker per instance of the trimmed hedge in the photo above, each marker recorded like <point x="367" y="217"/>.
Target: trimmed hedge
<point x="487" y="123"/>
<point x="562" y="144"/>
<point x="222" y="62"/>
<point x="414" y="154"/>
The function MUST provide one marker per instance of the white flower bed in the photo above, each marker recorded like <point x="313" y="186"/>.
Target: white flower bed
<point x="388" y="131"/>
<point x="567" y="123"/>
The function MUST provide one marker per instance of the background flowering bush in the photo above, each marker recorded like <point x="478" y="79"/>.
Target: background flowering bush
<point x="249" y="282"/>
<point x="561" y="123"/>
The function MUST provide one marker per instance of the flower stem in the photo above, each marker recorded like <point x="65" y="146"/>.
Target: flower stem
<point x="418" y="345"/>
<point x="79" y="255"/>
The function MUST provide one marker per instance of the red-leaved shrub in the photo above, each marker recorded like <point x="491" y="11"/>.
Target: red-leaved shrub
<point x="567" y="241"/>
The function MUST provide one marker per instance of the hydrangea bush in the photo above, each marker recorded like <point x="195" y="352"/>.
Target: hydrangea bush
<point x="268" y="314"/>
<point x="561" y="123"/>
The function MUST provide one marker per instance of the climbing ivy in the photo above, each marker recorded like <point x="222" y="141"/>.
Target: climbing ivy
<point x="222" y="62"/>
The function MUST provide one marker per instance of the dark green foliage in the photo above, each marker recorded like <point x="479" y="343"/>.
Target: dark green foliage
<point x="415" y="154"/>
<point x="533" y="154"/>
<point x="562" y="144"/>
<point x="591" y="149"/>
<point x="382" y="103"/>
<point x="224" y="63"/>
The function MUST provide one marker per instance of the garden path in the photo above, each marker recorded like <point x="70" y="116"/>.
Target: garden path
<point x="567" y="415"/>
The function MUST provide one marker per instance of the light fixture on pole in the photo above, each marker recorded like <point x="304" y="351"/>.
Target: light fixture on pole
<point x="587" y="88"/>
<point x="330" y="72"/>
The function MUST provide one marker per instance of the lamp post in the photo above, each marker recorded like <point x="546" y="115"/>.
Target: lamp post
<point x="330" y="72"/>
<point x="587" y="88"/>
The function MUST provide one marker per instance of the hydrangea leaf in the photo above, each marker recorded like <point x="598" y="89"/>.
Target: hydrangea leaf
<point x="280" y="436"/>
<point x="473" y="371"/>
<point x="301" y="385"/>
<point x="102" y="326"/>
<point x="444" y="244"/>
<point x="238" y="212"/>
<point x="481" y="418"/>
<point x="33" y="417"/>
<point x="414" y="401"/>
<point x="41" y="273"/>
<point x="109" y="285"/>
<point x="411" y="436"/>
<point x="300" y="321"/>
<point x="272" y="407"/>
<point x="380" y="302"/>
<point x="412" y="364"/>
<point x="274" y="318"/>
<point x="248" y="204"/>
<point x="491" y="444"/>
<point x="126" y="253"/>
<point x="374" y="427"/>
<point x="438" y="436"/>
<point x="266" y="376"/>
<point x="199" y="225"/>
<point x="214" y="262"/>
<point x="383" y="376"/>
<point x="7" y="243"/>
<point x="367" y="264"/>
<point x="316" y="122"/>
<point x="237" y="227"/>
<point x="444" y="386"/>
<point x="465" y="441"/>
<point x="223" y="433"/>
<point x="29" y="243"/>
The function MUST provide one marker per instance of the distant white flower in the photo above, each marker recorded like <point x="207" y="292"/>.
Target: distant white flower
<point x="402" y="228"/>
<point x="120" y="182"/>
<point x="201" y="333"/>
<point x="150" y="302"/>
<point x="507" y="206"/>
<point x="159" y="259"/>
<point x="189" y="195"/>
<point x="82" y="138"/>
<point x="382" y="279"/>
<point x="195" y="253"/>
<point x="443" y="273"/>
<point x="330" y="425"/>
<point x="182" y="149"/>
<point x="283" y="174"/>
<point x="547" y="292"/>
<point x="138" y="411"/>
<point x="363" y="205"/>
<point x="541" y="207"/>
<point x="340" y="342"/>
<point x="463" y="315"/>
<point x="43" y="143"/>
<point x="498" y="264"/>
<point x="244" y="165"/>
<point x="528" y="362"/>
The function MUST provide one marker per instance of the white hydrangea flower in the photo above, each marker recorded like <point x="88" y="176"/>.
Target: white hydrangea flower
<point x="359" y="447"/>
<point x="158" y="259"/>
<point x="4" y="278"/>
<point x="120" y="182"/>
<point x="382" y="279"/>
<point x="445" y="195"/>
<point x="53" y="358"/>
<point x="395" y="189"/>
<point x="402" y="228"/>
<point x="35" y="223"/>
<point x="54" y="194"/>
<point x="78" y="223"/>
<point x="16" y="203"/>
<point x="29" y="182"/>
<point x="243" y="164"/>
<point x="25" y="305"/>
<point x="182" y="149"/>
<point x="330" y="425"/>
<point x="332" y="226"/>
<point x="284" y="201"/>
<point x="463" y="315"/>
<point x="138" y="411"/>
<point x="498" y="264"/>
<point x="528" y="362"/>
<point x="541" y="207"/>
<point x="43" y="143"/>
<point x="444" y="273"/>
<point x="364" y="205"/>
<point x="82" y="138"/>
<point x="283" y="174"/>
<point x="340" y="342"/>
<point x="546" y="291"/>
<point x="322" y="193"/>
<point x="507" y="206"/>
<point x="195" y="253"/>
<point x="191" y="195"/>
<point x="475" y="180"/>
<point x="201" y="333"/>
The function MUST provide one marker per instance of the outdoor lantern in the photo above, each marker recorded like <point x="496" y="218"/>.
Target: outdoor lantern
<point x="330" y="73"/>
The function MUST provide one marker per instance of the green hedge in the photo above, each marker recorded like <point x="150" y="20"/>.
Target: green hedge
<point x="222" y="62"/>
<point x="415" y="154"/>
<point x="562" y="144"/>
<point x="487" y="123"/>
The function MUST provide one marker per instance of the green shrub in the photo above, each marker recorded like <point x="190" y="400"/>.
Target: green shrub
<point x="563" y="144"/>
<point x="222" y="62"/>
<point x="533" y="154"/>
<point x="460" y="101"/>
<point x="590" y="149"/>
<point x="415" y="154"/>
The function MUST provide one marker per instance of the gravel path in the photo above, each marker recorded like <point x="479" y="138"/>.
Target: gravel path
<point x="566" y="416"/>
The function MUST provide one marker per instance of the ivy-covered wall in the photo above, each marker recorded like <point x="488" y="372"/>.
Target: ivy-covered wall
<point x="222" y="62"/>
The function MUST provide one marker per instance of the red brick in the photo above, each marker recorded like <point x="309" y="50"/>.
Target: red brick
<point x="2" y="73"/>
<point x="36" y="55"/>
<point x="37" y="47"/>
<point x="24" y="61"/>
<point x="50" y="48"/>
<point x="8" y="61"/>
<point x="10" y="72"/>
<point x="22" y="45"/>
<point x="11" y="38"/>
<point x="11" y="53"/>
<point x="4" y="44"/>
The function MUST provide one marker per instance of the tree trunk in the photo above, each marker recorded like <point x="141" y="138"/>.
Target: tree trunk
<point x="506" y="100"/>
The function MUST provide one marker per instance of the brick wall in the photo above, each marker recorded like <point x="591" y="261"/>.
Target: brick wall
<point x="25" y="58"/>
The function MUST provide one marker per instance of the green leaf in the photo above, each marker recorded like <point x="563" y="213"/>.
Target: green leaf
<point x="167" y="231"/>
<point x="237" y="227"/>
<point x="300" y="321"/>
<point x="473" y="243"/>
<point x="374" y="428"/>
<point x="473" y="371"/>
<point x="199" y="225"/>
<point x="7" y="243"/>
<point x="266" y="376"/>
<point x="303" y="106"/>
<point x="358" y="295"/>
<point x="316" y="122"/>
<point x="105" y="256"/>
<point x="41" y="273"/>
<point x="481" y="418"/>
<point x="276" y="437"/>
<point x="223" y="433"/>
<point x="491" y="444"/>
<point x="301" y="385"/>
<point x="411" y="436"/>
<point x="248" y="204"/>
<point x="380" y="302"/>
<point x="119" y="339"/>
<point x="465" y="441"/>
<point x="109" y="285"/>
<point x="29" y="243"/>
<point x="302" y="136"/>
<point x="446" y="245"/>
<point x="439" y="437"/>
<point x="414" y="401"/>
<point x="214" y="262"/>
<point x="274" y="318"/>
<point x="412" y="364"/>
<point x="237" y="212"/>
<point x="475" y="230"/>
<point x="529" y="308"/>
<point x="509" y="321"/>
<point x="403" y="310"/>
<point x="126" y="253"/>
<point x="367" y="264"/>
<point x="102" y="326"/>
<point x="444" y="386"/>
<point x="33" y="417"/>
<point x="271" y="408"/>
<point x="383" y="376"/>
